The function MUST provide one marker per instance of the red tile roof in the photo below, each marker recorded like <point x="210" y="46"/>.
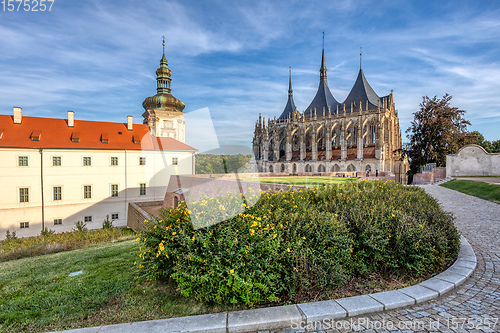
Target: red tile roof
<point x="55" y="133"/>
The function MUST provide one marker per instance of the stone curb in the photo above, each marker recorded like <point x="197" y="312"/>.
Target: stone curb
<point x="307" y="315"/>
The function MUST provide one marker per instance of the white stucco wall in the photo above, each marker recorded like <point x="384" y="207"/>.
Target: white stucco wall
<point x="472" y="160"/>
<point x="72" y="176"/>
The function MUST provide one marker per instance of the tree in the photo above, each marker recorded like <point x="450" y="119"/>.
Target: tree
<point x="489" y="146"/>
<point x="438" y="129"/>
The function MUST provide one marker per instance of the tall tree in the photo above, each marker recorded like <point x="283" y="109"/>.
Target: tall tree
<point x="437" y="129"/>
<point x="489" y="146"/>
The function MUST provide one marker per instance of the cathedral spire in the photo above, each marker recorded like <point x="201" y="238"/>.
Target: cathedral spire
<point x="290" y="105"/>
<point x="322" y="70"/>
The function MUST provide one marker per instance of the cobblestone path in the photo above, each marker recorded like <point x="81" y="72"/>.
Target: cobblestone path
<point x="474" y="306"/>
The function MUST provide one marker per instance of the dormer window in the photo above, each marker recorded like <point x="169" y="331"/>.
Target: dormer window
<point x="75" y="137"/>
<point x="104" y="138"/>
<point x="35" y="136"/>
<point x="136" y="140"/>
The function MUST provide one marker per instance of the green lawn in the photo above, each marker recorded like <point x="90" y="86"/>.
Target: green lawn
<point x="304" y="180"/>
<point x="478" y="189"/>
<point x="37" y="295"/>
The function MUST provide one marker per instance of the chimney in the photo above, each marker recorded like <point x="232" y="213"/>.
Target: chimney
<point x="18" y="115"/>
<point x="129" y="123"/>
<point x="71" y="118"/>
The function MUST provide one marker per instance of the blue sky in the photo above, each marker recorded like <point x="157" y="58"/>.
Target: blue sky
<point x="99" y="58"/>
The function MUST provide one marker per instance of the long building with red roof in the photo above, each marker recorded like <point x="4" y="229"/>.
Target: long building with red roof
<point x="55" y="172"/>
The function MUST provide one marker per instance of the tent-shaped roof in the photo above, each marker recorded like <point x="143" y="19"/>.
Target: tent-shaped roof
<point x="324" y="97"/>
<point x="361" y="92"/>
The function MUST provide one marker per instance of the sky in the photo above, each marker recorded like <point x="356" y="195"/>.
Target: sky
<point x="230" y="59"/>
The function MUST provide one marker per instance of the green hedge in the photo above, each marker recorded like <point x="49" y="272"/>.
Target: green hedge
<point x="296" y="243"/>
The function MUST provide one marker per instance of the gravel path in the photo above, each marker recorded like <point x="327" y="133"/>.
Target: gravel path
<point x="474" y="306"/>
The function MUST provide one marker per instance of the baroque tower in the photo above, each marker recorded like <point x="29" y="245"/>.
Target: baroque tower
<point x="163" y="112"/>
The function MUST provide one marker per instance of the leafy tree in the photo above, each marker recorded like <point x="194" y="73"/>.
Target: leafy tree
<point x="489" y="146"/>
<point x="438" y="129"/>
<point x="209" y="163"/>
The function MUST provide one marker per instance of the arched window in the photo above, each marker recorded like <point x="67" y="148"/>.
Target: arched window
<point x="335" y="168"/>
<point x="294" y="167"/>
<point x="282" y="167"/>
<point x="351" y="168"/>
<point x="321" y="168"/>
<point x="368" y="168"/>
<point x="308" y="168"/>
<point x="270" y="168"/>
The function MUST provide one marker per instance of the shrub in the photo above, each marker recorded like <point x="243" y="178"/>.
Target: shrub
<point x="80" y="226"/>
<point x="298" y="244"/>
<point x="107" y="224"/>
<point x="46" y="232"/>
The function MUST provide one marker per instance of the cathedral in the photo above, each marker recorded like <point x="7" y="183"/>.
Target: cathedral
<point x="360" y="135"/>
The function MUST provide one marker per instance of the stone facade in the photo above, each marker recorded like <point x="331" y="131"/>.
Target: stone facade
<point x="361" y="134"/>
<point x="472" y="160"/>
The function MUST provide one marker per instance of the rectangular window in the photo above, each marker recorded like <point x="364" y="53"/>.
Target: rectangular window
<point x="114" y="161"/>
<point x="24" y="225"/>
<point x="23" y="161"/>
<point x="87" y="192"/>
<point x="142" y="189"/>
<point x="114" y="216"/>
<point x="114" y="190"/>
<point x="56" y="161"/>
<point x="142" y="161"/>
<point x="57" y="221"/>
<point x="175" y="161"/>
<point x="24" y="194"/>
<point x="87" y="219"/>
<point x="87" y="161"/>
<point x="57" y="193"/>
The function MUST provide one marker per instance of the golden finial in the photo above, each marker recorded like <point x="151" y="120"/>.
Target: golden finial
<point x="163" y="44"/>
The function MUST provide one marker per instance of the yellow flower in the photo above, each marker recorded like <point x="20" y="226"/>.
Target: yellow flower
<point x="192" y="239"/>
<point x="252" y="232"/>
<point x="393" y="215"/>
<point x="274" y="236"/>
<point x="138" y="239"/>
<point x="258" y="219"/>
<point x="421" y="226"/>
<point x="154" y="227"/>
<point x="174" y="233"/>
<point x="231" y="271"/>
<point x="287" y="250"/>
<point x="135" y="262"/>
<point x="162" y="247"/>
<point x="145" y="221"/>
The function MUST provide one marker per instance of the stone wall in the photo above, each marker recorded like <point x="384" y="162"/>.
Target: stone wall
<point x="429" y="177"/>
<point x="137" y="215"/>
<point x="472" y="160"/>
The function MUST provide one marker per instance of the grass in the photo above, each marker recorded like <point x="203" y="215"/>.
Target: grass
<point x="303" y="180"/>
<point x="478" y="189"/>
<point x="37" y="295"/>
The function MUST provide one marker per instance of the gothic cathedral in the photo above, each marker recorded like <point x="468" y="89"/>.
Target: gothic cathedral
<point x="358" y="135"/>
